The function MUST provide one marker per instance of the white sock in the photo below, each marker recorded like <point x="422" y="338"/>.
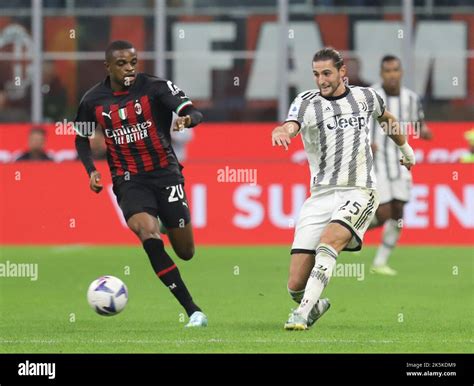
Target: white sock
<point x="390" y="236"/>
<point x="318" y="279"/>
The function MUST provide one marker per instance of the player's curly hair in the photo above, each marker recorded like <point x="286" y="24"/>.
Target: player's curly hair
<point x="329" y="53"/>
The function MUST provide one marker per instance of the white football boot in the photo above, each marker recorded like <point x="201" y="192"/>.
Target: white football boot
<point x="197" y="319"/>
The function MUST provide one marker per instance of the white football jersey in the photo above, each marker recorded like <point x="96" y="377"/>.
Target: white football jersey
<point x="336" y="135"/>
<point x="407" y="108"/>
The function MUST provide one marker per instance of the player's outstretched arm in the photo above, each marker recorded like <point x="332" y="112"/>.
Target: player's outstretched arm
<point x="281" y="135"/>
<point x="391" y="126"/>
<point x="84" y="152"/>
<point x="189" y="117"/>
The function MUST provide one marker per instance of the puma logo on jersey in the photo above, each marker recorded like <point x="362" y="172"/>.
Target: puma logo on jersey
<point x="342" y="123"/>
<point x="107" y="115"/>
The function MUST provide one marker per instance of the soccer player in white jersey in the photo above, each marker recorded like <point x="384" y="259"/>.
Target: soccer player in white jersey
<point x="393" y="181"/>
<point x="334" y="125"/>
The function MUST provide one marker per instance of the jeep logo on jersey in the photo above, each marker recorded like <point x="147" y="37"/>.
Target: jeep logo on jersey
<point x="342" y="123"/>
<point x="123" y="113"/>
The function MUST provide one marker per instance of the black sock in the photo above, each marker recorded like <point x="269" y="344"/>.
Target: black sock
<point x="168" y="273"/>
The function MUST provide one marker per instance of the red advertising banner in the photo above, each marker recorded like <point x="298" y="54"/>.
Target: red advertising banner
<point x="236" y="142"/>
<point x="231" y="203"/>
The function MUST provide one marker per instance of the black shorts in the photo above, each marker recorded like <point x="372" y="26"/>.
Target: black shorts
<point x="146" y="194"/>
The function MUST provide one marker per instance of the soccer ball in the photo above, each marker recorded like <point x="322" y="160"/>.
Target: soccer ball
<point x="107" y="295"/>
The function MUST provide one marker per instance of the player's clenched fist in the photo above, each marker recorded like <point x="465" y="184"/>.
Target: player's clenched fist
<point x="94" y="182"/>
<point x="181" y="123"/>
<point x="281" y="137"/>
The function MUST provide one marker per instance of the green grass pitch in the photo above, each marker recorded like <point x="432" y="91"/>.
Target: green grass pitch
<point x="428" y="307"/>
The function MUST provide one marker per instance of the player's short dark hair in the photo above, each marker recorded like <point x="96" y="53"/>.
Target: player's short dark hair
<point x="389" y="58"/>
<point x="116" y="46"/>
<point x="329" y="53"/>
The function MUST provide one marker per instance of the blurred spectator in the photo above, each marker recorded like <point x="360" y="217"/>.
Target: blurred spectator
<point x="469" y="157"/>
<point x="353" y="73"/>
<point x="15" y="101"/>
<point x="55" y="94"/>
<point x="36" y="144"/>
<point x="3" y="99"/>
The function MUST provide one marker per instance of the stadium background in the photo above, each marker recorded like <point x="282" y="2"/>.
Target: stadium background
<point x="225" y="56"/>
<point x="229" y="58"/>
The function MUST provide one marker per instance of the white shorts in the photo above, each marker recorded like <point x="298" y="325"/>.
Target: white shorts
<point x="353" y="208"/>
<point x="398" y="189"/>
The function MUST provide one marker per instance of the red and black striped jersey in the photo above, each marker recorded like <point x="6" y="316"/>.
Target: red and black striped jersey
<point x="136" y="124"/>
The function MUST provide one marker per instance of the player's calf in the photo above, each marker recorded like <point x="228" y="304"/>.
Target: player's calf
<point x="182" y="241"/>
<point x="185" y="252"/>
<point x="301" y="265"/>
<point x="168" y="273"/>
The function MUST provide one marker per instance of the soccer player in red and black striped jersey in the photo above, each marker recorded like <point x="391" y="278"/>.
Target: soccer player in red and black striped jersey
<point x="135" y="112"/>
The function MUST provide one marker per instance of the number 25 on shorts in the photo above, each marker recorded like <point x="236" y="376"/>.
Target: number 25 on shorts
<point x="355" y="205"/>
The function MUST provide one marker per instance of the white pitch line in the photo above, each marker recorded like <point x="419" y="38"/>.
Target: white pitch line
<point x="223" y="341"/>
<point x="68" y="248"/>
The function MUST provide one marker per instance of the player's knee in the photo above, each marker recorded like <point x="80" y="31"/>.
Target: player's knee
<point x="145" y="234"/>
<point x="144" y="231"/>
<point x="337" y="239"/>
<point x="384" y="213"/>
<point x="186" y="253"/>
